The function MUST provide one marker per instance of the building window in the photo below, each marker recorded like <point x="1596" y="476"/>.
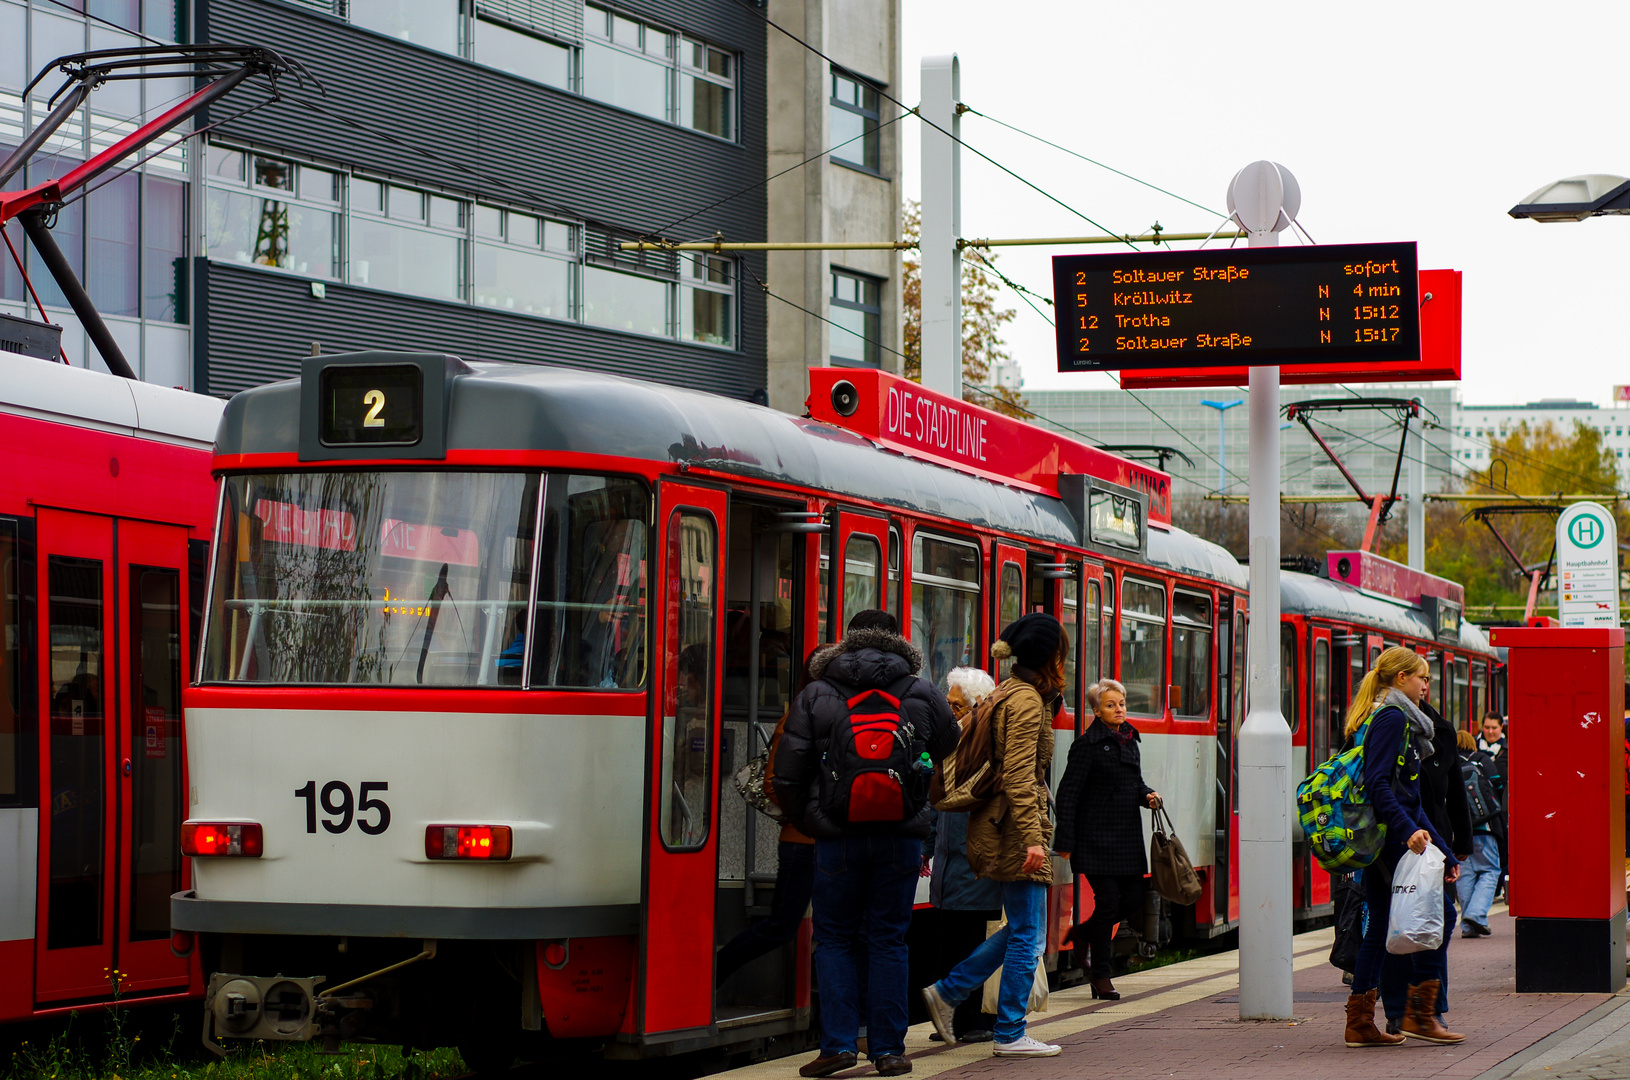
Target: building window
<point x="856" y="311"/>
<point x="524" y="263"/>
<point x="519" y="53"/>
<point x="268" y="212"/>
<point x="706" y="295"/>
<point x="406" y="240"/>
<point x="628" y="302"/>
<point x="658" y="73"/>
<point x="435" y="24"/>
<point x="854" y="123"/>
<point x="707" y="89"/>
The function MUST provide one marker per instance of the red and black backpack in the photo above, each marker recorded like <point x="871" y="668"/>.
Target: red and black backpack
<point x="876" y="766"/>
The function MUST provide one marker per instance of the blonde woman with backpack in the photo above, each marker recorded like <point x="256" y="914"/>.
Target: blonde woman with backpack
<point x="1398" y="739"/>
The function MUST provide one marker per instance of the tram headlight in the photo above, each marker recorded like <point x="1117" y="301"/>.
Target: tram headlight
<point x="217" y="838"/>
<point x="484" y="842"/>
<point x="845" y="398"/>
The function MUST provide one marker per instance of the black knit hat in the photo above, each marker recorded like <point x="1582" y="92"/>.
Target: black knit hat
<point x="1032" y="640"/>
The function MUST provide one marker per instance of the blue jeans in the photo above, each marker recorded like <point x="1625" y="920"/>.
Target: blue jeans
<point x="1416" y="967"/>
<point x="864" y="887"/>
<point x="1479" y="877"/>
<point x="1397" y="972"/>
<point x="1015" y="949"/>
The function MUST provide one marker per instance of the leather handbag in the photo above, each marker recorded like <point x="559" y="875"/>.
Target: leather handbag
<point x="1169" y="865"/>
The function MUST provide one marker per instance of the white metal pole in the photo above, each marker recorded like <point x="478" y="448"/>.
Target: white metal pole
<point x="941" y="225"/>
<point x="1265" y="961"/>
<point x="1222" y="451"/>
<point x="1417" y="495"/>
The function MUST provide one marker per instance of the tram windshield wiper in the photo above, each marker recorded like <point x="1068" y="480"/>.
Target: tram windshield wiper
<point x="438" y="592"/>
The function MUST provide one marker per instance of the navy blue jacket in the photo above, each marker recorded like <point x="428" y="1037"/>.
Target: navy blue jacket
<point x="954" y="886"/>
<point x="1396" y="795"/>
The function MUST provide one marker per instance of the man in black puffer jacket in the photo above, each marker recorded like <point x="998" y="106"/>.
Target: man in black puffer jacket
<point x="866" y="874"/>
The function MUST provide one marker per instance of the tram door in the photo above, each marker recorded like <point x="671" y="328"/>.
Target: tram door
<point x="866" y="575"/>
<point x="1320" y="730"/>
<point x="112" y="597"/>
<point x="676" y="951"/>
<point x="1008" y="603"/>
<point x="767" y="571"/>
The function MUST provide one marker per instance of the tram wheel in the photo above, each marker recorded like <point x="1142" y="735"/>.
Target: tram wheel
<point x="488" y="1053"/>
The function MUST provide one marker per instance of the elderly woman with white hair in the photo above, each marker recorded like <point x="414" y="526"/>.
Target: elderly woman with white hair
<point x="962" y="903"/>
<point x="1100" y="829"/>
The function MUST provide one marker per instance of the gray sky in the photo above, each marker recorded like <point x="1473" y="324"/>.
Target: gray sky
<point x="1402" y="121"/>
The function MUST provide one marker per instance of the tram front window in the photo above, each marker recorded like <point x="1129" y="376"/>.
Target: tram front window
<point x="372" y="578"/>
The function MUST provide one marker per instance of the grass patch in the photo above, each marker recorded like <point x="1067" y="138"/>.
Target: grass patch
<point x="120" y="1045"/>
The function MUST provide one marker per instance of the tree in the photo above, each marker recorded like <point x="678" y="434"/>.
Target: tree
<point x="982" y="322"/>
<point x="1537" y="461"/>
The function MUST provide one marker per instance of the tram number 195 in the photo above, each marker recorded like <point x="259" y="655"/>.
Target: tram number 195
<point x="337" y="801"/>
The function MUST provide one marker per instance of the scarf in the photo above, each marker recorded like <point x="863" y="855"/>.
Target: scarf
<point x="1125" y="733"/>
<point x="1420" y="725"/>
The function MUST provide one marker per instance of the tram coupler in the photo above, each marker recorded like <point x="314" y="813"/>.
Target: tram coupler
<point x="259" y="1007"/>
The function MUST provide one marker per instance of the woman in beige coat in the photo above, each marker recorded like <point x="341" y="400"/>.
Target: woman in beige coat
<point x="1010" y="836"/>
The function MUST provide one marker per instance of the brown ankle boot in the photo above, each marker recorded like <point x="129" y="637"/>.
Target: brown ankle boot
<point x="1361" y="1029"/>
<point x="1421" y="1017"/>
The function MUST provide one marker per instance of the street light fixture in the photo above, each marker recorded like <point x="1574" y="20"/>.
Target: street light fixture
<point x="1577" y="198"/>
<point x="1222" y="408"/>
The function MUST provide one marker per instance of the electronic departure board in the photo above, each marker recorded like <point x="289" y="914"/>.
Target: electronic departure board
<point x="1230" y="306"/>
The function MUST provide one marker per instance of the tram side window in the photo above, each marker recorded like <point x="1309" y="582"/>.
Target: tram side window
<point x="687" y="707"/>
<point x="369" y="578"/>
<point x="1325" y="723"/>
<point x="862" y="574"/>
<point x="592" y="593"/>
<point x="17" y="757"/>
<point x="1191" y="654"/>
<point x="1143" y="646"/>
<point x="1091" y="632"/>
<point x="1106" y="663"/>
<point x="1457" y="700"/>
<point x="1288" y="698"/>
<point x="1439" y="687"/>
<point x="1071" y="618"/>
<point x="1480" y="700"/>
<point x="1010" y="605"/>
<point x="944" y="604"/>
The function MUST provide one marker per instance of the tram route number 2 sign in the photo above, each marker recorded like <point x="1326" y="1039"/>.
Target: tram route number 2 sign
<point x="1228" y="306"/>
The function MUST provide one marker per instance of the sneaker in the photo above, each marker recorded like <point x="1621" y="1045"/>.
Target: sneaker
<point x="1025" y="1046"/>
<point x="940" y="1012"/>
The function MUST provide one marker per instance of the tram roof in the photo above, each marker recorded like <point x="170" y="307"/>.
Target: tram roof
<point x="507" y="406"/>
<point x="1321" y="598"/>
<point x="93" y="399"/>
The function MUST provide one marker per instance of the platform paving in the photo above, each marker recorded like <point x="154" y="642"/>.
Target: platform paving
<point x="1182" y="1022"/>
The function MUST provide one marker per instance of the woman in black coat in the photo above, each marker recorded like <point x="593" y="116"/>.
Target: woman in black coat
<point x="1100" y="828"/>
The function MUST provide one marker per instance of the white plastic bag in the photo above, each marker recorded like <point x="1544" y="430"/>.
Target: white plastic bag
<point x="1416" y="923"/>
<point x="993" y="985"/>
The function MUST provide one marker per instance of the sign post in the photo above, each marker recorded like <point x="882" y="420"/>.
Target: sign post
<point x="1264" y="198"/>
<point x="1587" y="566"/>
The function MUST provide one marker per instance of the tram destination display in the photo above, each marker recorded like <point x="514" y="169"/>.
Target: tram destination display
<point x="1248" y="306"/>
<point x="378" y="404"/>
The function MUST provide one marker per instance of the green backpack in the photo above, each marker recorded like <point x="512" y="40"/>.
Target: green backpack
<point x="1341" y="825"/>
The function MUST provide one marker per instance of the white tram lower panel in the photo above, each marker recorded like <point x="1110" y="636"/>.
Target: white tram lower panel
<point x="1183" y="768"/>
<point x="19" y="871"/>
<point x="568" y="786"/>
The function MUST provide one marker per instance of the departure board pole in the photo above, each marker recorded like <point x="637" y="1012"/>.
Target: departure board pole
<point x="1264" y="198"/>
<point x="941" y="225"/>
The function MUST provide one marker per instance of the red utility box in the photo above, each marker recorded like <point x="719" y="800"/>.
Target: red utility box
<point x="1565" y="807"/>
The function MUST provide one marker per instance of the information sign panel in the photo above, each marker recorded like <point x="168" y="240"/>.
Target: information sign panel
<point x="1248" y="306"/>
<point x="1587" y="566"/>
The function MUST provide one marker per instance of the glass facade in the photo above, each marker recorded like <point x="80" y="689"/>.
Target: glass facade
<point x="127" y="237"/>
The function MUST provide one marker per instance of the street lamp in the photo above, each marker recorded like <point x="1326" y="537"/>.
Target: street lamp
<point x="1576" y="198"/>
<point x="1222" y="408"/>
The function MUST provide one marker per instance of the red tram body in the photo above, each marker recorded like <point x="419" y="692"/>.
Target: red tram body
<point x="484" y="644"/>
<point x="106" y="512"/>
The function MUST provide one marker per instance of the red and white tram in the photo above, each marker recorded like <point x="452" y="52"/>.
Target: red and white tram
<point x="1333" y="627"/>
<point x="484" y="643"/>
<point x="106" y="512"/>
